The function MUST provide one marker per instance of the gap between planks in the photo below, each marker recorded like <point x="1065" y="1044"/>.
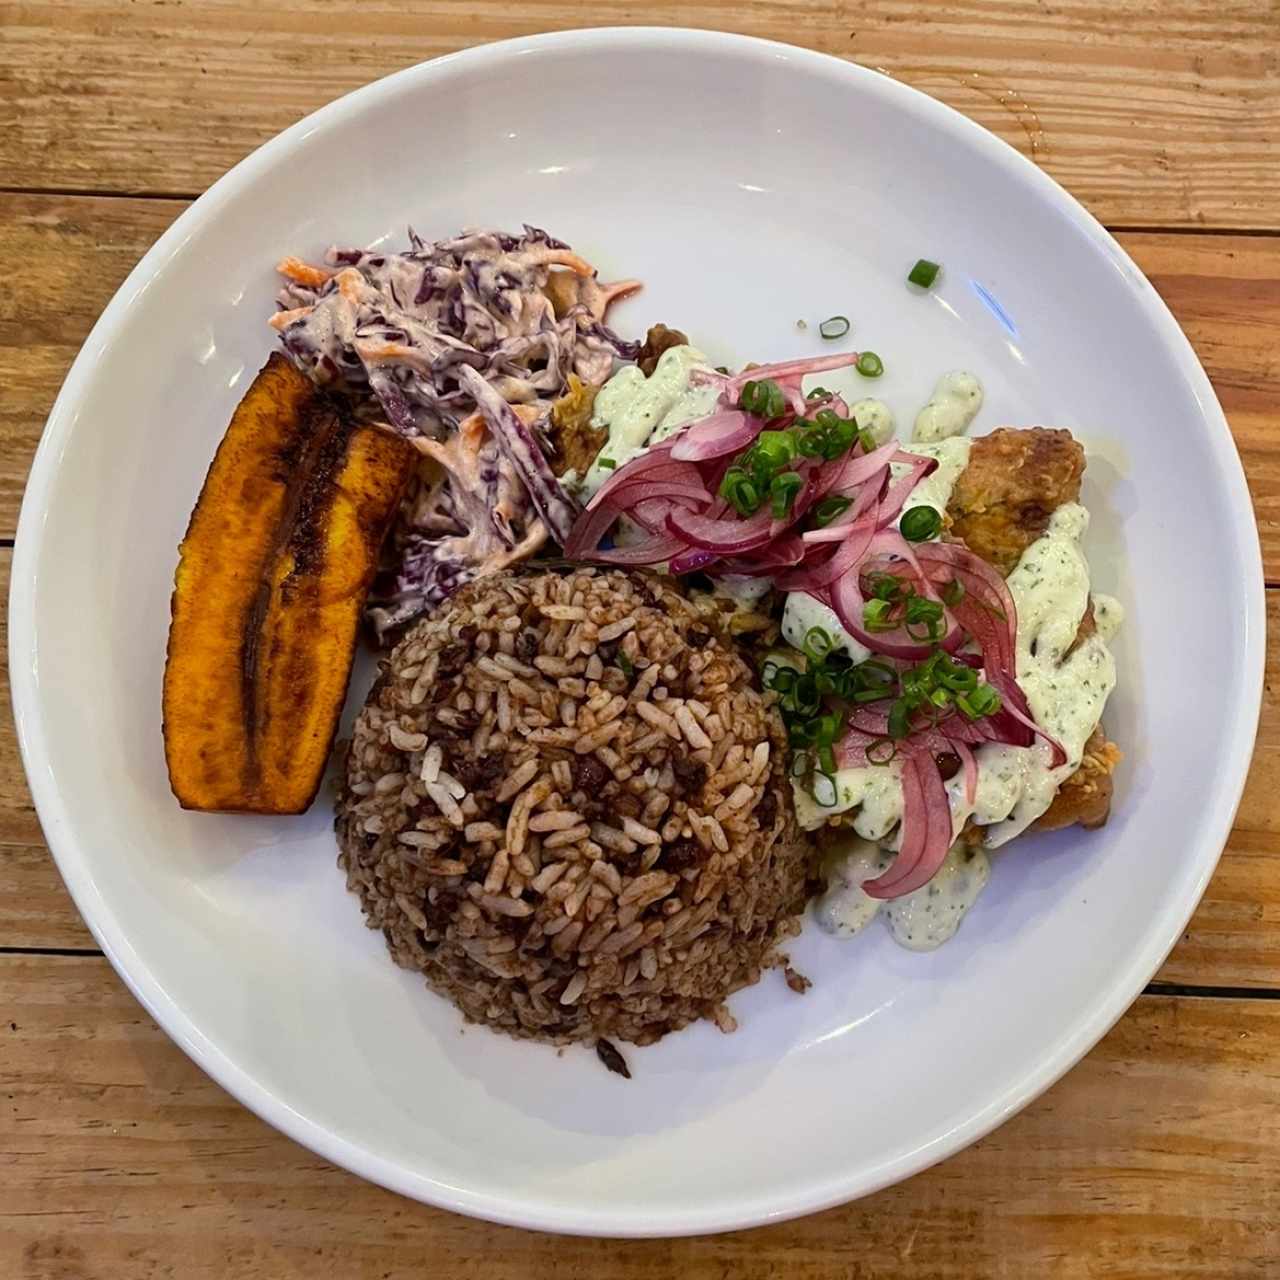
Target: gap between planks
<point x="124" y="193"/>
<point x="1165" y="989"/>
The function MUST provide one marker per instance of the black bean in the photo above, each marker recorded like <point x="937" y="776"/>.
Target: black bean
<point x="612" y="1059"/>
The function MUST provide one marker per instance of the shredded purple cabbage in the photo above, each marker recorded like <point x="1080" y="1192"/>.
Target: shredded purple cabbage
<point x="424" y="339"/>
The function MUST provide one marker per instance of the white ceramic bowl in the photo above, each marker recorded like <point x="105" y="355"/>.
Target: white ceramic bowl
<point x="750" y="185"/>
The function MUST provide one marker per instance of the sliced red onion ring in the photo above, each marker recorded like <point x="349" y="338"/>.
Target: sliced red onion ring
<point x="729" y="431"/>
<point x="969" y="762"/>
<point x="788" y="369"/>
<point x="843" y="563"/>
<point x="926" y="831"/>
<point x="726" y="536"/>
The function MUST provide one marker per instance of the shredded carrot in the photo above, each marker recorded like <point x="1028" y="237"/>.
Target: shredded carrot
<point x="608" y="294"/>
<point x="384" y="351"/>
<point x="566" y="258"/>
<point x="282" y="319"/>
<point x="303" y="273"/>
<point x="350" y="284"/>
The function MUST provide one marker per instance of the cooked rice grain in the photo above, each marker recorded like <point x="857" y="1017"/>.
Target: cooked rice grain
<point x="569" y="849"/>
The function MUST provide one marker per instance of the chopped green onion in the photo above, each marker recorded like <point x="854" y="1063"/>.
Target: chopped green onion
<point x="924" y="273"/>
<point x="960" y="679"/>
<point x="818" y="393"/>
<point x="764" y="399"/>
<point x="827" y="510"/>
<point x="952" y="593"/>
<point x="827" y="759"/>
<point x="834" y="327"/>
<point x="875" y="616"/>
<point x="885" y="586"/>
<point x="741" y="492"/>
<point x="799" y="764"/>
<point x="923" y="618"/>
<point x="839" y="439"/>
<point x="920" y="524"/>
<point x="824" y="789"/>
<point x="607" y="464"/>
<point x="782" y="493"/>
<point x="983" y="701"/>
<point x="870" y="365"/>
<point x="817" y="643"/>
<point x="881" y="751"/>
<point x="812" y="443"/>
<point x="625" y="664"/>
<point x="899" y="718"/>
<point x="774" y="449"/>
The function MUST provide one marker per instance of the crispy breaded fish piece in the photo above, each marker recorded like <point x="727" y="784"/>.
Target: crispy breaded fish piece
<point x="1015" y="480"/>
<point x="1002" y="502"/>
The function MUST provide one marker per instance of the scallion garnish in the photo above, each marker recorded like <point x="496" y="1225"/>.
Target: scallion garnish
<point x="924" y="273"/>
<point x="764" y="399"/>
<point x="606" y="464"/>
<point x="817" y="644"/>
<point x="920" y="524"/>
<point x="870" y="365"/>
<point x="741" y="492"/>
<point x="782" y="493"/>
<point x="834" y="327"/>
<point x="772" y="450"/>
<point x="827" y="510"/>
<point x="981" y="701"/>
<point x="876" y="616"/>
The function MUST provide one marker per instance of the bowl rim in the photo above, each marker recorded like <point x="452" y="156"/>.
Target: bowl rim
<point x="528" y="1210"/>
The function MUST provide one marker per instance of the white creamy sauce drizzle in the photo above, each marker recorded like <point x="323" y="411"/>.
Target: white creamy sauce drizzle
<point x="919" y="921"/>
<point x="802" y="612"/>
<point x="1016" y="785"/>
<point x="1050" y="589"/>
<point x="874" y="416"/>
<point x="934" y="490"/>
<point x="952" y="407"/>
<point x="639" y="411"/>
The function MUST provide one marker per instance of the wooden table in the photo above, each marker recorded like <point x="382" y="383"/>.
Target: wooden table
<point x="1158" y="1155"/>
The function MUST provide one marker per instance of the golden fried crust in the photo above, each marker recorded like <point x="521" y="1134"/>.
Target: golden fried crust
<point x="575" y="440"/>
<point x="1085" y="797"/>
<point x="1015" y="480"/>
<point x="1002" y="502"/>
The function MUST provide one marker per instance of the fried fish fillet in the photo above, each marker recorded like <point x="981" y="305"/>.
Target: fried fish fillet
<point x="1002" y="502"/>
<point x="1016" y="479"/>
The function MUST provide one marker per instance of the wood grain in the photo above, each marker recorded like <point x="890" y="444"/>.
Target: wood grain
<point x="121" y="1160"/>
<point x="1152" y="112"/>
<point x="1225" y="290"/>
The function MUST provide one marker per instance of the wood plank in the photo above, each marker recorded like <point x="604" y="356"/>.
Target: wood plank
<point x="19" y="825"/>
<point x="1225" y="291"/>
<point x="204" y="82"/>
<point x="1159" y="1155"/>
<point x="79" y="250"/>
<point x="1232" y="940"/>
